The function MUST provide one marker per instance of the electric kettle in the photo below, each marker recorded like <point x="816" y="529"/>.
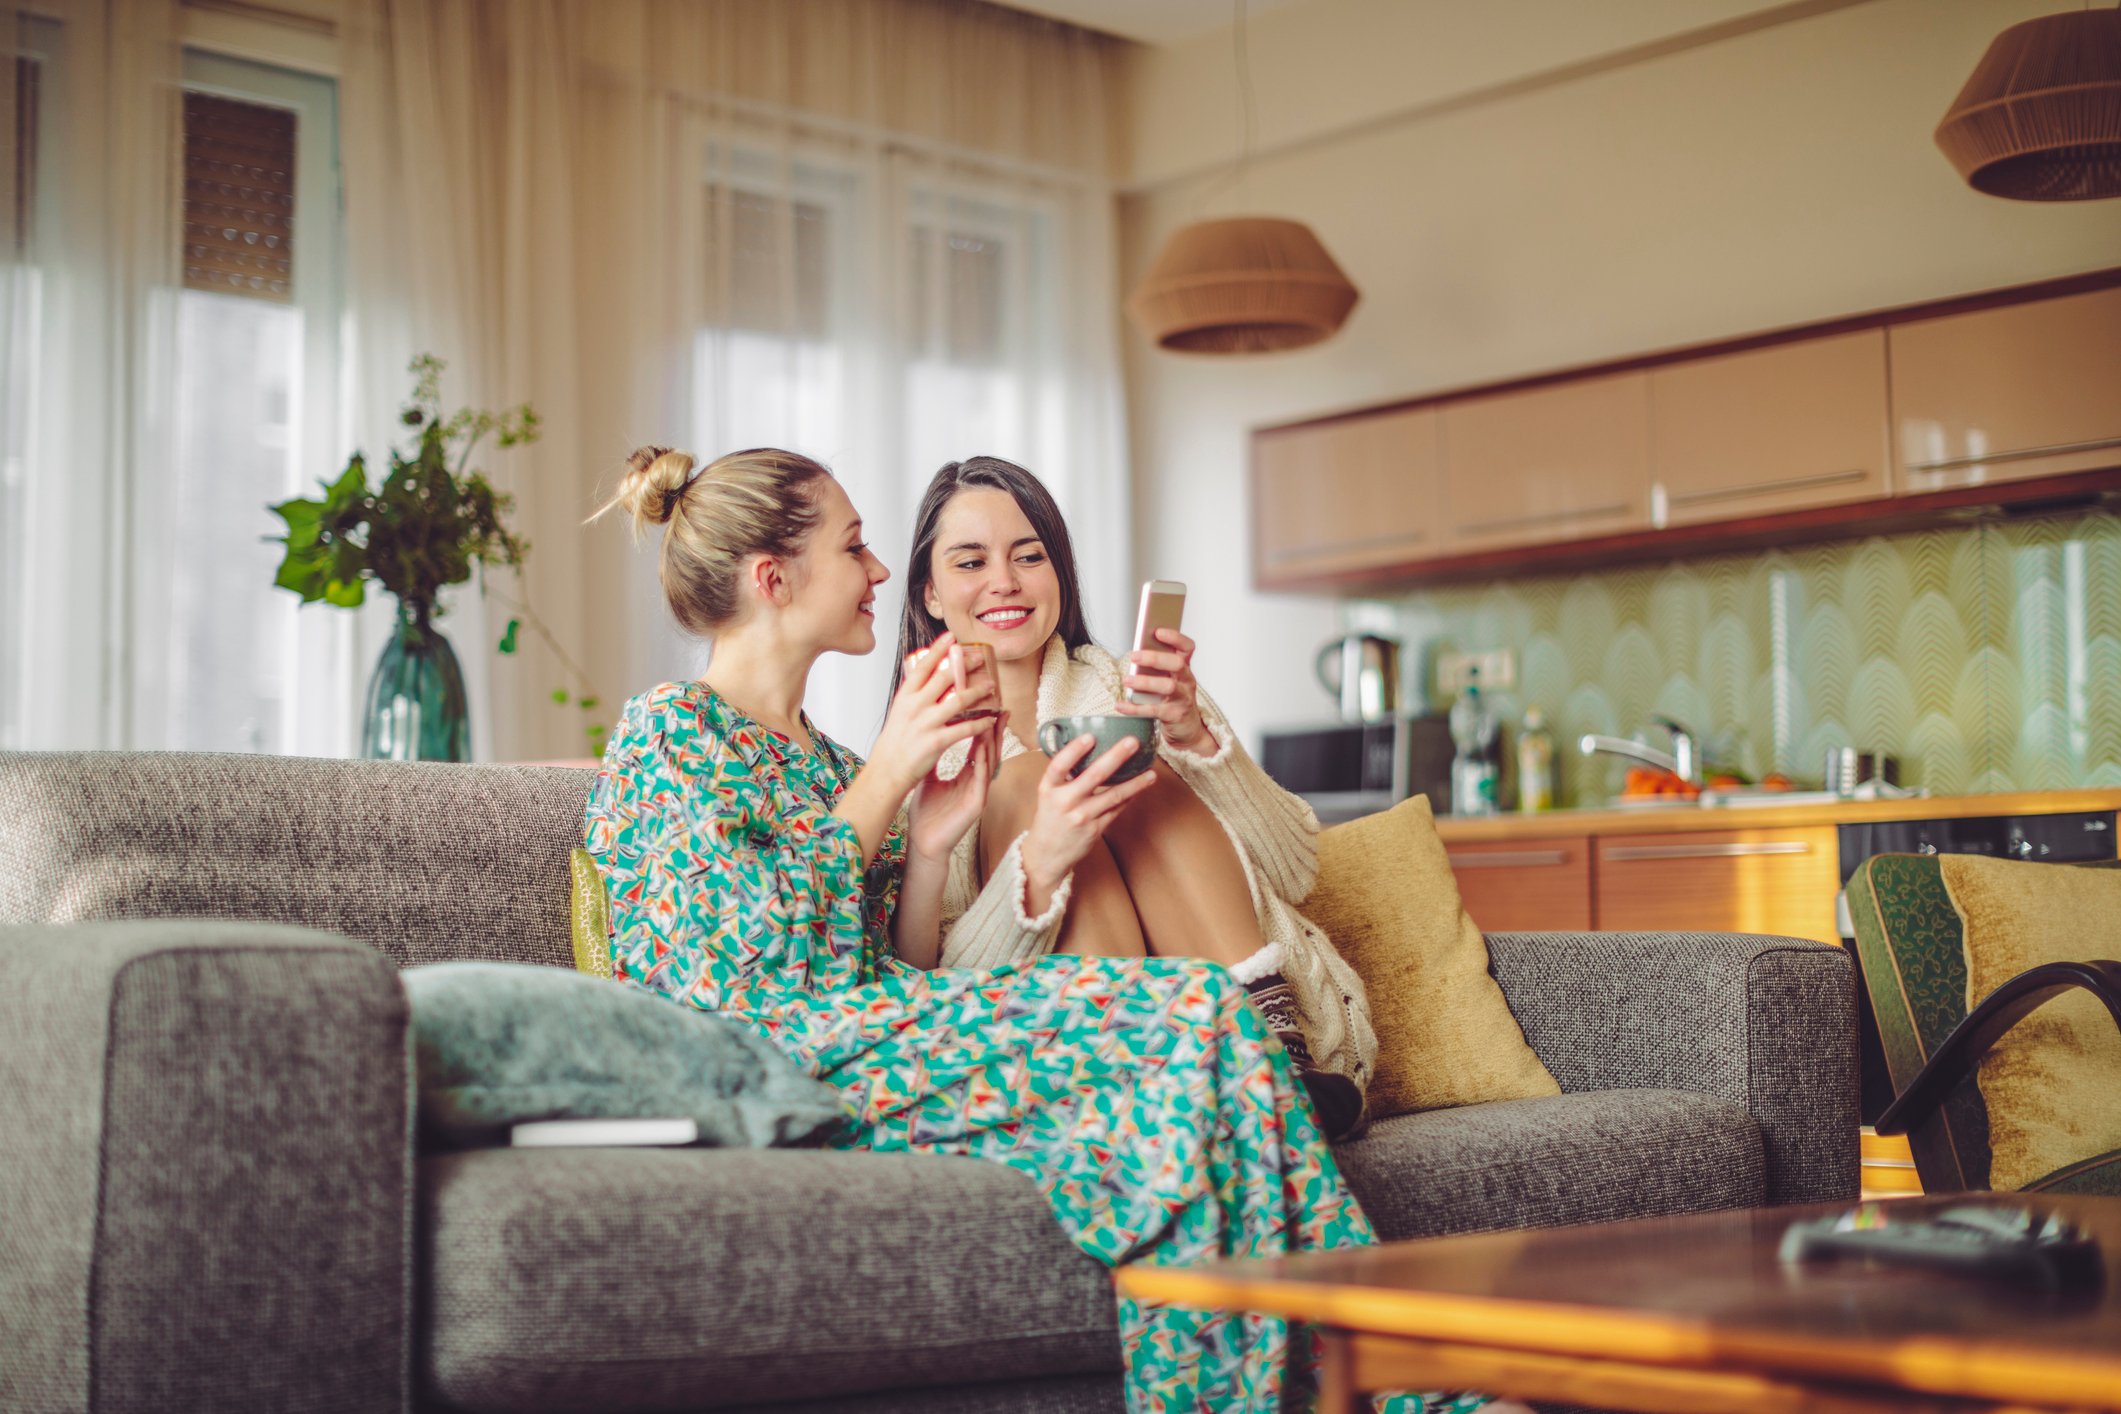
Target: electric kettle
<point x="1362" y="670"/>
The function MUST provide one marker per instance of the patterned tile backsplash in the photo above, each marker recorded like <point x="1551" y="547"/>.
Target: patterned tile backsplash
<point x="1986" y="656"/>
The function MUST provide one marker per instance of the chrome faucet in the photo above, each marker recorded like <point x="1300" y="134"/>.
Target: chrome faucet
<point x="1684" y="761"/>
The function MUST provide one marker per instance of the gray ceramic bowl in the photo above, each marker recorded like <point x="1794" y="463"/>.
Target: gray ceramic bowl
<point x="1057" y="732"/>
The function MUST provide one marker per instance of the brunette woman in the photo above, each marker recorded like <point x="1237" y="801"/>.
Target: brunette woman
<point x="1210" y="862"/>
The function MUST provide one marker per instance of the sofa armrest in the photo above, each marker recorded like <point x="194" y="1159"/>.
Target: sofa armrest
<point x="205" y="1169"/>
<point x="1769" y="1023"/>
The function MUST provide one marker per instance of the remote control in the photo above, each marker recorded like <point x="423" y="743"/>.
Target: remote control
<point x="1999" y="1240"/>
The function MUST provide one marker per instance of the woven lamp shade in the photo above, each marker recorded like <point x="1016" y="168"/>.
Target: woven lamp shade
<point x="2040" y="120"/>
<point x="1248" y="284"/>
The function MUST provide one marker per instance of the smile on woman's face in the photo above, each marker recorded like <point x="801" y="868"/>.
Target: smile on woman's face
<point x="991" y="580"/>
<point x="836" y="577"/>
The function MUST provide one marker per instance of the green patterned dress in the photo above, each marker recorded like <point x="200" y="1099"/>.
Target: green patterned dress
<point x="1144" y="1097"/>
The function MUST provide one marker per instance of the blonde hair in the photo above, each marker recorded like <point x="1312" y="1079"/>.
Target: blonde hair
<point x="760" y="501"/>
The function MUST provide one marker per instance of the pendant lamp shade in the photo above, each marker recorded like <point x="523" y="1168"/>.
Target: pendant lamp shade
<point x="1247" y="284"/>
<point x="2040" y="120"/>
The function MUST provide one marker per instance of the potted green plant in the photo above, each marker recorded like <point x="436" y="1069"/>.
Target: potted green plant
<point x="434" y="521"/>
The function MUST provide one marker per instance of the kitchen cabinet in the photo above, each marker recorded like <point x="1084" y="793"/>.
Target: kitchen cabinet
<point x="1525" y="885"/>
<point x="1743" y="880"/>
<point x="2006" y="393"/>
<point x="1768" y="430"/>
<point x="1565" y="461"/>
<point x="1344" y="496"/>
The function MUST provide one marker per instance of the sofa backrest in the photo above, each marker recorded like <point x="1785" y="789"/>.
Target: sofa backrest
<point x="421" y="860"/>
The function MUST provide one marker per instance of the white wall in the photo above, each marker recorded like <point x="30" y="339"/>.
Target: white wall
<point x="1774" y="176"/>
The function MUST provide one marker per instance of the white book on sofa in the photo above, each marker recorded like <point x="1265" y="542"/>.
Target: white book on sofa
<point x="602" y="1133"/>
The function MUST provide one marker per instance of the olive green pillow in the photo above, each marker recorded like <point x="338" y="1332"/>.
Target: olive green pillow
<point x="1387" y="899"/>
<point x="2053" y="1083"/>
<point x="497" y="1044"/>
<point x="589" y="914"/>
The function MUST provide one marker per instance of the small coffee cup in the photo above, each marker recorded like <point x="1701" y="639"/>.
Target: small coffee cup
<point x="1109" y="731"/>
<point x="972" y="669"/>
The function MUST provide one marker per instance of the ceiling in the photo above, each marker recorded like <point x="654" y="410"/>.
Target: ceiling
<point x="1149" y="21"/>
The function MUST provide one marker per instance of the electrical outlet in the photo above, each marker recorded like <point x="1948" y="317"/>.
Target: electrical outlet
<point x="1498" y="670"/>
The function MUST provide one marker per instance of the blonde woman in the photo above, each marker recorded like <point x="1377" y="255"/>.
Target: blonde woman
<point x="1211" y="862"/>
<point x="755" y="870"/>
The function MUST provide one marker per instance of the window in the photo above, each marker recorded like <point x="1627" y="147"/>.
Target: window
<point x="235" y="666"/>
<point x="980" y="325"/>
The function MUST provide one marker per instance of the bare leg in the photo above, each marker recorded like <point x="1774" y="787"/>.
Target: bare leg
<point x="1188" y="884"/>
<point x="1100" y="921"/>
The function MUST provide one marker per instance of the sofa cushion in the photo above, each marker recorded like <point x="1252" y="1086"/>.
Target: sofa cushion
<point x="1387" y="898"/>
<point x="588" y="914"/>
<point x="2052" y="1083"/>
<point x="1546" y="1163"/>
<point x="424" y="860"/>
<point x="500" y="1043"/>
<point x="689" y="1278"/>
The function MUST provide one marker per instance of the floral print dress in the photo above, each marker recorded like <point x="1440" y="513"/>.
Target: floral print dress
<point x="1144" y="1096"/>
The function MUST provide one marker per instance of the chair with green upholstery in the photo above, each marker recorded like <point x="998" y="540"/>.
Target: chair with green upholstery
<point x="1999" y="1008"/>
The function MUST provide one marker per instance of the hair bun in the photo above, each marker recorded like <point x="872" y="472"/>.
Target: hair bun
<point x="655" y="478"/>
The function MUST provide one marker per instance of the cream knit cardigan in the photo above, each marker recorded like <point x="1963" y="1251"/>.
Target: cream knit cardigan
<point x="1275" y="835"/>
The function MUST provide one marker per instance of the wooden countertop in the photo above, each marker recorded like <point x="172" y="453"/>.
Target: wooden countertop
<point x="1672" y="819"/>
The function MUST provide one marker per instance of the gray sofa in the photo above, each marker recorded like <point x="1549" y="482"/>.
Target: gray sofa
<point x="210" y="1198"/>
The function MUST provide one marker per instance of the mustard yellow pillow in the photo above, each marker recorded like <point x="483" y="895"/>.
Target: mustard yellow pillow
<point x="1387" y="899"/>
<point x="2053" y="1083"/>
<point x="588" y="915"/>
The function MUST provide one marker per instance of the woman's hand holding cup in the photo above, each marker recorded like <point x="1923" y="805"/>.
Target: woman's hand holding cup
<point x="1073" y="810"/>
<point x="926" y="717"/>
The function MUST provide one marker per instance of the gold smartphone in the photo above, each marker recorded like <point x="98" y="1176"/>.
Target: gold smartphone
<point x="1163" y="602"/>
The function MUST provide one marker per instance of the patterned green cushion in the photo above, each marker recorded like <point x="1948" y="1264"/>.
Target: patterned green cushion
<point x="1913" y="949"/>
<point x="500" y="1043"/>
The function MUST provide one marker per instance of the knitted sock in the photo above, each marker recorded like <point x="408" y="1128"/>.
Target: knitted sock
<point x="1337" y="1099"/>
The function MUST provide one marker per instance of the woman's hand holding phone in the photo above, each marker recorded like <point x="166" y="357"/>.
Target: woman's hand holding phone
<point x="1174" y="691"/>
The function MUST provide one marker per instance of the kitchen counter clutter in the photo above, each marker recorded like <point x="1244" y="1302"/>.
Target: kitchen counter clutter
<point x="1754" y="868"/>
<point x="1683" y="817"/>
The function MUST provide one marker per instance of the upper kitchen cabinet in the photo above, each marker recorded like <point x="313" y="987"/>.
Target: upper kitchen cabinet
<point x="2007" y="393"/>
<point x="1769" y="430"/>
<point x="1344" y="497"/>
<point x="1568" y="461"/>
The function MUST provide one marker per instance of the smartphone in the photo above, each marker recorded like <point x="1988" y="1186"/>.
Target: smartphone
<point x="1163" y="601"/>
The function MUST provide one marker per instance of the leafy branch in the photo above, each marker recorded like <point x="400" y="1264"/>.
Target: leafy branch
<point x="429" y="524"/>
<point x="435" y="521"/>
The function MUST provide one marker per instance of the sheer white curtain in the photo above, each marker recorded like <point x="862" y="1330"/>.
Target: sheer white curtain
<point x="876" y="231"/>
<point x="145" y="426"/>
<point x="86" y="313"/>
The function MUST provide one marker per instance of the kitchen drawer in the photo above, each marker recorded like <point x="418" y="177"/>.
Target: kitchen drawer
<point x="1525" y="885"/>
<point x="1779" y="881"/>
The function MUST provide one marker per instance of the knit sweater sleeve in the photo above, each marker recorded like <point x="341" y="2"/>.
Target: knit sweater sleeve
<point x="991" y="927"/>
<point x="1278" y="830"/>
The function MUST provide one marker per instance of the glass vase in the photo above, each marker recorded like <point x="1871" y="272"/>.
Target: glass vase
<point x="416" y="704"/>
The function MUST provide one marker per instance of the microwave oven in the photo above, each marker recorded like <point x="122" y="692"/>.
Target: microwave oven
<point x="1348" y="769"/>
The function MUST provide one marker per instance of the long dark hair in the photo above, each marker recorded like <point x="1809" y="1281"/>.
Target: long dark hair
<point x="917" y="627"/>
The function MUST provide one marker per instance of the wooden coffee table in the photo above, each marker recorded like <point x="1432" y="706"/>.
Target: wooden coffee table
<point x="1681" y="1316"/>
